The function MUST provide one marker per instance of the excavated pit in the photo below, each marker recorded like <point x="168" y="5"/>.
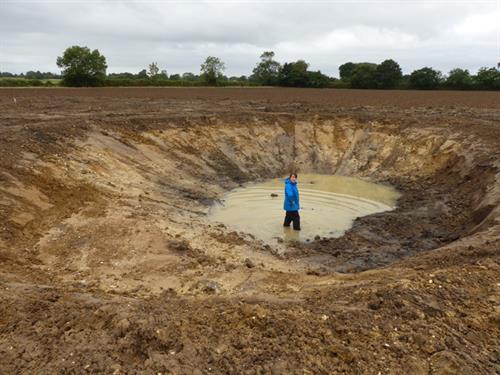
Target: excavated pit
<point x="113" y="206"/>
<point x="152" y="191"/>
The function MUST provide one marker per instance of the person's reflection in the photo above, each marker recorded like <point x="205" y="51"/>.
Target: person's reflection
<point x="290" y="235"/>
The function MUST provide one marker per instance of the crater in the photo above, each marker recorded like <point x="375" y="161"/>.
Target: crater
<point x="119" y="199"/>
<point x="114" y="239"/>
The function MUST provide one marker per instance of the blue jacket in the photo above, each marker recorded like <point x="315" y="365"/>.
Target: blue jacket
<point x="291" y="196"/>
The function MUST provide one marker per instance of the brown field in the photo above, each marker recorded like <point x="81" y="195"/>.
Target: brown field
<point x="330" y="97"/>
<point x="109" y="265"/>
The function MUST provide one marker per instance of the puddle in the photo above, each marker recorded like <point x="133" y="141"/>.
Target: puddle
<point x="329" y="205"/>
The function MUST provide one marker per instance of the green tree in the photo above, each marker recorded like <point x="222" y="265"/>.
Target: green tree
<point x="82" y="67"/>
<point x="142" y="74"/>
<point x="211" y="70"/>
<point x="405" y="82"/>
<point x="34" y="75"/>
<point x="153" y="70"/>
<point x="317" y="79"/>
<point x="459" y="79"/>
<point x="294" y="74"/>
<point x="162" y="75"/>
<point x="488" y="79"/>
<point x="267" y="71"/>
<point x="189" y="76"/>
<point x="363" y="76"/>
<point x="121" y="75"/>
<point x="388" y="74"/>
<point x="345" y="70"/>
<point x="425" y="79"/>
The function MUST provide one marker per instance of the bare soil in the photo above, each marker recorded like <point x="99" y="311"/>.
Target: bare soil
<point x="109" y="264"/>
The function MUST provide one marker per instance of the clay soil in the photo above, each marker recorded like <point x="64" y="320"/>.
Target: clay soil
<point x="110" y="265"/>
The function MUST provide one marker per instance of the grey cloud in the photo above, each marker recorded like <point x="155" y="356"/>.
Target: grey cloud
<point x="179" y="36"/>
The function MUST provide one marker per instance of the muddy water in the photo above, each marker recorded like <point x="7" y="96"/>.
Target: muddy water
<point x="329" y="205"/>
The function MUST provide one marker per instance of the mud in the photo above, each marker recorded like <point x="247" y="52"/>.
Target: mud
<point x="109" y="263"/>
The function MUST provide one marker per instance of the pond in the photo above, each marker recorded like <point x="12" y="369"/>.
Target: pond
<point x="329" y="205"/>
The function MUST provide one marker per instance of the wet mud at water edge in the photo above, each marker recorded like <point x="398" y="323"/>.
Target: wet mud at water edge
<point x="329" y="204"/>
<point x="110" y="262"/>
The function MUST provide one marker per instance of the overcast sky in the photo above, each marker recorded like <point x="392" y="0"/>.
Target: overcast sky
<point x="180" y="34"/>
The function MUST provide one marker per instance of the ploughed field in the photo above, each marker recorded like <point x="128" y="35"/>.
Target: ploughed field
<point x="109" y="262"/>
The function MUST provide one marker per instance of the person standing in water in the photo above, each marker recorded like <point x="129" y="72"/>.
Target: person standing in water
<point x="291" y="205"/>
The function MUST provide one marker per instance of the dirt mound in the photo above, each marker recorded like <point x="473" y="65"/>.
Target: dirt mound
<point x="110" y="265"/>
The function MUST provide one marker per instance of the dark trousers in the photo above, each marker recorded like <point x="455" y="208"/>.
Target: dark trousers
<point x="292" y="216"/>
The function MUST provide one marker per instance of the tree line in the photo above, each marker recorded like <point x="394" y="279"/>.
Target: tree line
<point x="83" y="67"/>
<point x="30" y="74"/>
